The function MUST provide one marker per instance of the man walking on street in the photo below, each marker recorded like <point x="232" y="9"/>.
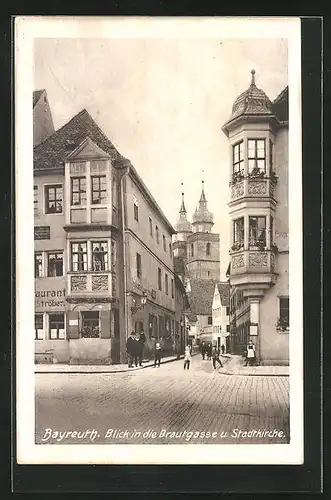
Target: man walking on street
<point x="131" y="349"/>
<point x="209" y="351"/>
<point x="203" y="349"/>
<point x="216" y="357"/>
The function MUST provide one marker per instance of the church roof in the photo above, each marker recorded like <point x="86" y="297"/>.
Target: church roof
<point x="202" y="214"/>
<point x="182" y="224"/>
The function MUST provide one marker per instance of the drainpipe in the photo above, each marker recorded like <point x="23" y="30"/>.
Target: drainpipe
<point x="124" y="171"/>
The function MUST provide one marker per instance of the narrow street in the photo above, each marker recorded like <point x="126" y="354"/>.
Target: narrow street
<point x="156" y="406"/>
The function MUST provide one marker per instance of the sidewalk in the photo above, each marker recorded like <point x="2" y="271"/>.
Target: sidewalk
<point x="235" y="366"/>
<point x="64" y="368"/>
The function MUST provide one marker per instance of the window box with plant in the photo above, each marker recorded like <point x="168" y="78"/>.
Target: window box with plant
<point x="256" y="173"/>
<point x="237" y="177"/>
<point x="282" y="325"/>
<point x="274" y="248"/>
<point x="237" y="246"/>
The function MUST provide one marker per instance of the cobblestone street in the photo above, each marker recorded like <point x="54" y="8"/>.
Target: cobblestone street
<point x="165" y="401"/>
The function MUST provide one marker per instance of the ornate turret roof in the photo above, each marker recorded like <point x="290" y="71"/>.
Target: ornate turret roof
<point x="252" y="101"/>
<point x="202" y="213"/>
<point x="183" y="225"/>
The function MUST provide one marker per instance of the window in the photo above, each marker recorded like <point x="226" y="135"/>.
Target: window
<point x="38" y="327"/>
<point x="35" y="199"/>
<point x="227" y="328"/>
<point x="256" y="156"/>
<point x="113" y="254"/>
<point x="157" y="234"/>
<point x="38" y="265"/>
<point x="271" y="230"/>
<point x="164" y="244"/>
<point x="53" y="199"/>
<point x="100" y="256"/>
<point x="99" y="190"/>
<point x="284" y="311"/>
<point x="208" y="249"/>
<point x="257" y="231"/>
<point x="172" y="288"/>
<point x="79" y="256"/>
<point x="170" y="249"/>
<point x="138" y="263"/>
<point x="78" y="191"/>
<point x="90" y="324"/>
<point x="238" y="231"/>
<point x="166" y="284"/>
<point x="192" y="250"/>
<point x="159" y="278"/>
<point x="271" y="155"/>
<point x="150" y="227"/>
<point x="238" y="158"/>
<point x="136" y="212"/>
<point x="56" y="327"/>
<point x="227" y="311"/>
<point x="54" y="264"/>
<point x="210" y="320"/>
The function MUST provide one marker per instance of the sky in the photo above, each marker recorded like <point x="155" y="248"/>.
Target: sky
<point x="162" y="103"/>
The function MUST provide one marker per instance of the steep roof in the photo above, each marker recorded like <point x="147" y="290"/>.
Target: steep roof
<point x="280" y="106"/>
<point x="50" y="154"/>
<point x="224" y="291"/>
<point x="201" y="296"/>
<point x="36" y="96"/>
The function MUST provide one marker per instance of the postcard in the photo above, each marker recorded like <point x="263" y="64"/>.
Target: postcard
<point x="159" y="240"/>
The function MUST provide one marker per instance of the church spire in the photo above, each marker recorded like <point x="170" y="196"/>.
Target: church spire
<point x="182" y="209"/>
<point x="203" y="196"/>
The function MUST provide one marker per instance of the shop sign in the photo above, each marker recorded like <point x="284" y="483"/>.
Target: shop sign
<point x="42" y="232"/>
<point x="46" y="299"/>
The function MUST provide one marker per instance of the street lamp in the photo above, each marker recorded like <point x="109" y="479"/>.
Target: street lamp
<point x="143" y="301"/>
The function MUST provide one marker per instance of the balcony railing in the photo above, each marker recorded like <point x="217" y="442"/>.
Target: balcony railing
<point x="253" y="187"/>
<point x="252" y="261"/>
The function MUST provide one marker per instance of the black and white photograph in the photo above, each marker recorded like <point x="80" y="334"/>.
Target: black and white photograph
<point x="158" y="176"/>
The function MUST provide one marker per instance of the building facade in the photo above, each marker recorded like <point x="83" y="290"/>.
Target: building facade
<point x="221" y="315"/>
<point x="94" y="253"/>
<point x="259" y="267"/>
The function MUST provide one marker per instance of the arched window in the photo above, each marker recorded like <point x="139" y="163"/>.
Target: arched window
<point x="208" y="249"/>
<point x="192" y="250"/>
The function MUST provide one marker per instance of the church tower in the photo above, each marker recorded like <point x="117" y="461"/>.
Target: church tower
<point x="203" y="246"/>
<point x="179" y="245"/>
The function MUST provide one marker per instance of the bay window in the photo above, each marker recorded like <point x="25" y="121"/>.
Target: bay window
<point x="98" y="190"/>
<point x="78" y="190"/>
<point x="79" y="256"/>
<point x="256" y="157"/>
<point x="238" y="158"/>
<point x="100" y="256"/>
<point x="257" y="231"/>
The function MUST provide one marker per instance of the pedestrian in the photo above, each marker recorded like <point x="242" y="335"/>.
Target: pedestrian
<point x="187" y="357"/>
<point x="216" y="357"/>
<point x="223" y="349"/>
<point x="203" y="349"/>
<point x="157" y="354"/>
<point x="131" y="349"/>
<point x="141" y="345"/>
<point x="209" y="351"/>
<point x="250" y="354"/>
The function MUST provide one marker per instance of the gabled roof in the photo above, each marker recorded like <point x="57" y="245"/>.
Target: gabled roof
<point x="224" y="291"/>
<point x="36" y="96"/>
<point x="51" y="153"/>
<point x="201" y="296"/>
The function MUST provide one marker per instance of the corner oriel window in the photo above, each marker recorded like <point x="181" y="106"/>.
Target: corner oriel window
<point x="100" y="256"/>
<point x="238" y="158"/>
<point x="54" y="264"/>
<point x="78" y="191"/>
<point x="99" y="190"/>
<point x="53" y="199"/>
<point x="79" y="256"/>
<point x="257" y="231"/>
<point x="256" y="156"/>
